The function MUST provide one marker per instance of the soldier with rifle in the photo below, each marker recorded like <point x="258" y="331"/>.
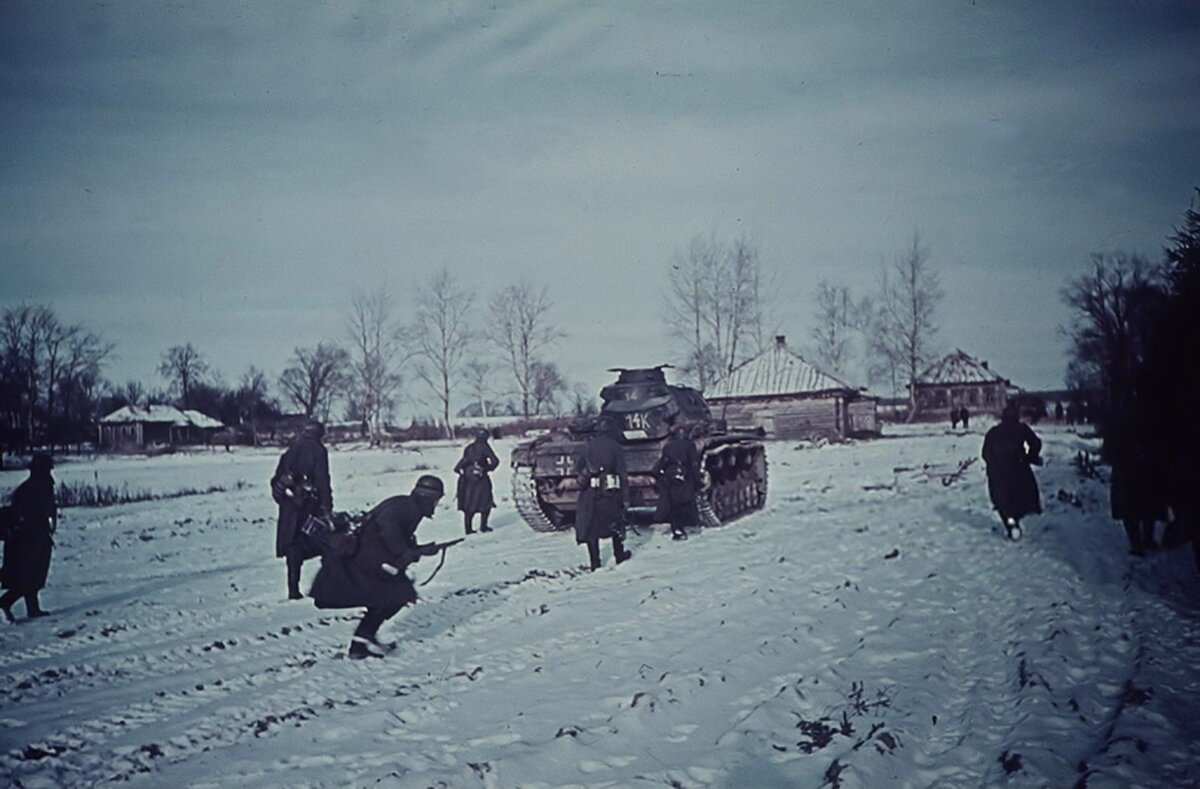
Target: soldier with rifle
<point x="372" y="573"/>
<point x="603" y="492"/>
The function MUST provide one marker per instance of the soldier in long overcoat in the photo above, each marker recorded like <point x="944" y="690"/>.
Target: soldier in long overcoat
<point x="301" y="488"/>
<point x="678" y="470"/>
<point x="1137" y="489"/>
<point x="475" y="483"/>
<point x="374" y="575"/>
<point x="604" y="489"/>
<point x="34" y="514"/>
<point x="1009" y="450"/>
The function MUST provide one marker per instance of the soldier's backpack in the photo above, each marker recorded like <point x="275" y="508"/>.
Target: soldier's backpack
<point x="336" y="534"/>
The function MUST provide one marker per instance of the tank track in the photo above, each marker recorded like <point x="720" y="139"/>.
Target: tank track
<point x="727" y="501"/>
<point x="525" y="499"/>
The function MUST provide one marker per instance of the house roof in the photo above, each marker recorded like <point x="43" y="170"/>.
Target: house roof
<point x="777" y="371"/>
<point x="161" y="414"/>
<point x="960" y="368"/>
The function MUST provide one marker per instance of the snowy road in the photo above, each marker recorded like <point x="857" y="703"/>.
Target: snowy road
<point x="870" y="628"/>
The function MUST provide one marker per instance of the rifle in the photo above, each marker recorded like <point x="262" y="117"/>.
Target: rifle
<point x="438" y="546"/>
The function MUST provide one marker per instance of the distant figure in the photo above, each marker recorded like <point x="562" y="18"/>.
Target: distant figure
<point x="678" y="470"/>
<point x="953" y="418"/>
<point x="964" y="416"/>
<point x="34" y="514"/>
<point x="301" y="488"/>
<point x="1009" y="450"/>
<point x="474" y="483"/>
<point x="1058" y="411"/>
<point x="374" y="576"/>
<point x="1137" y="492"/>
<point x="603" y="489"/>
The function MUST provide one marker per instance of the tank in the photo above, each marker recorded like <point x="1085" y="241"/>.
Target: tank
<point x="645" y="408"/>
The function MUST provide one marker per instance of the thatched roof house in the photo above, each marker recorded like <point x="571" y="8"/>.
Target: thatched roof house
<point x="136" y="427"/>
<point x="958" y="380"/>
<point x="789" y="397"/>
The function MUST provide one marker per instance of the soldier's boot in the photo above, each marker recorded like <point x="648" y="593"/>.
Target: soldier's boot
<point x="483" y="522"/>
<point x="384" y="647"/>
<point x="293" y="577"/>
<point x="678" y="534"/>
<point x="593" y="547"/>
<point x="32" y="607"/>
<point x="360" y="649"/>
<point x="6" y="604"/>
<point x="467" y="524"/>
<point x="619" y="551"/>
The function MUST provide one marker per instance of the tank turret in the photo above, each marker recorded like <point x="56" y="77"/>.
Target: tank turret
<point x="644" y="408"/>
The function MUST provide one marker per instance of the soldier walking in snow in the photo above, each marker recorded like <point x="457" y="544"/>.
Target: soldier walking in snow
<point x="474" y="483"/>
<point x="301" y="488"/>
<point x="678" y="470"/>
<point x="1009" y="450"/>
<point x="964" y="416"/>
<point x="1137" y="492"/>
<point x="603" y="491"/>
<point x="374" y="574"/>
<point x="34" y="518"/>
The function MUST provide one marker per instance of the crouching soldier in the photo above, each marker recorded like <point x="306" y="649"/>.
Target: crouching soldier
<point x="374" y="575"/>
<point x="603" y="490"/>
<point x="678" y="471"/>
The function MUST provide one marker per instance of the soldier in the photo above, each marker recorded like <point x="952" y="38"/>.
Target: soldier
<point x="964" y="416"/>
<point x="374" y="576"/>
<point x="678" y="470"/>
<point x="1137" y="493"/>
<point x="1009" y="449"/>
<point x="474" y="483"/>
<point x="953" y="417"/>
<point x="34" y="514"/>
<point x="301" y="488"/>
<point x="603" y="491"/>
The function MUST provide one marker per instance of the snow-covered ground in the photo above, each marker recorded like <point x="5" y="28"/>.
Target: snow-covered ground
<point x="870" y="628"/>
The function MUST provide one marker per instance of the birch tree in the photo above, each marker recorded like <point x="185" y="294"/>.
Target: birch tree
<point x="521" y="329"/>
<point x="443" y="337"/>
<point x="715" y="306"/>
<point x="377" y="357"/>
<point x="905" y="325"/>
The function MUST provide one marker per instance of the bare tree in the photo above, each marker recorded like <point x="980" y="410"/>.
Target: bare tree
<point x="521" y="329"/>
<point x="183" y="367"/>
<point x="904" y="326"/>
<point x="251" y="397"/>
<point x="378" y="355"/>
<point x="548" y="383"/>
<point x="477" y="372"/>
<point x="443" y="336"/>
<point x="583" y="401"/>
<point x="1114" y="307"/>
<point x="313" y="377"/>
<point x="716" y="306"/>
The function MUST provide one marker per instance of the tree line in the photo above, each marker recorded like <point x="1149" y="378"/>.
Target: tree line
<point x="53" y="391"/>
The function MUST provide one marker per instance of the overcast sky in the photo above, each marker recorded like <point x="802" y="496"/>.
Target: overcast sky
<point x="230" y="174"/>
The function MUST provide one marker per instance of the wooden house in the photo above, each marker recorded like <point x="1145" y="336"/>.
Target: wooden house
<point x="789" y="397"/>
<point x="959" y="380"/>
<point x="137" y="428"/>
